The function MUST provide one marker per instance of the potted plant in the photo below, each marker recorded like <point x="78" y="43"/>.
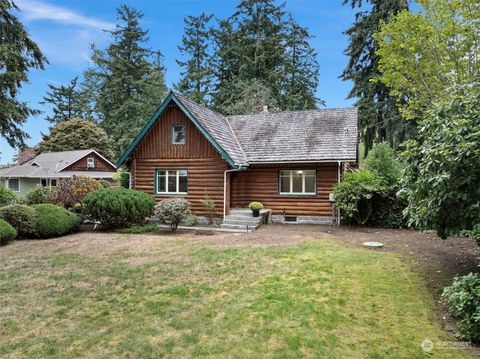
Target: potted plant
<point x="255" y="207"/>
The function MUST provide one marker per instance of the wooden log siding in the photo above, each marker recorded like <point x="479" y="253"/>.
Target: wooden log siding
<point x="100" y="165"/>
<point x="204" y="164"/>
<point x="261" y="184"/>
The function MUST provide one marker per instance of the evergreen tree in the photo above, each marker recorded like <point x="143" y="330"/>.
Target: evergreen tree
<point x="127" y="81"/>
<point x="253" y="97"/>
<point x="18" y="54"/>
<point x="197" y="71"/>
<point x="66" y="102"/>
<point x="76" y="134"/>
<point x="301" y="69"/>
<point x="379" y="118"/>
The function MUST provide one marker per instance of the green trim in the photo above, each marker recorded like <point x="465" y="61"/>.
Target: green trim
<point x="155" y="193"/>
<point x="172" y="134"/>
<point x="172" y="97"/>
<point x="296" y="194"/>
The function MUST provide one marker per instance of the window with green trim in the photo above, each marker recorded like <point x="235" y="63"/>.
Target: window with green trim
<point x="178" y="134"/>
<point x="171" y="181"/>
<point x="297" y="182"/>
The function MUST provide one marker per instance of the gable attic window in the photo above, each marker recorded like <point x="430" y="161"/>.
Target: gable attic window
<point x="13" y="184"/>
<point x="178" y="134"/>
<point x="297" y="182"/>
<point x="90" y="162"/>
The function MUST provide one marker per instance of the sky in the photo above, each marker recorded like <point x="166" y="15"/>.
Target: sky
<point x="65" y="29"/>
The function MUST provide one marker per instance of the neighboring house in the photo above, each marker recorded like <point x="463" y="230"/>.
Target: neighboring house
<point x="48" y="168"/>
<point x="289" y="161"/>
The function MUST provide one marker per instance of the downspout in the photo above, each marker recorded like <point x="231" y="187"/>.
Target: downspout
<point x="338" y="181"/>
<point x="225" y="187"/>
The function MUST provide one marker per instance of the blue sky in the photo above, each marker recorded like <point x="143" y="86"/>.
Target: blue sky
<point x="64" y="30"/>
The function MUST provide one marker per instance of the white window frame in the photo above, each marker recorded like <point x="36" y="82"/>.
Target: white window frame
<point x="290" y="175"/>
<point x="177" y="181"/>
<point x="8" y="184"/>
<point x="184" y="135"/>
<point x="90" y="162"/>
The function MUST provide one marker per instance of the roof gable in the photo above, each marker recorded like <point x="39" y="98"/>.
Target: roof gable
<point x="211" y="124"/>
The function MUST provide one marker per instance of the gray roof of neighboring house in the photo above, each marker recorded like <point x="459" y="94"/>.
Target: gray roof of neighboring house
<point x="311" y="135"/>
<point x="51" y="164"/>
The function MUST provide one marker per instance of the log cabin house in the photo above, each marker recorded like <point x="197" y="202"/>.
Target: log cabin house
<point x="289" y="161"/>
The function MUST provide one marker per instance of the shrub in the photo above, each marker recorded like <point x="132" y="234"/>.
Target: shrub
<point x="383" y="163"/>
<point x="39" y="195"/>
<point x="105" y="183"/>
<point x="54" y="221"/>
<point x="191" y="220"/>
<point x="7" y="197"/>
<point x="20" y="217"/>
<point x="209" y="205"/>
<point x="7" y="232"/>
<point x="119" y="207"/>
<point x="172" y="211"/>
<point x="463" y="303"/>
<point x="137" y="229"/>
<point x="72" y="191"/>
<point x="122" y="178"/>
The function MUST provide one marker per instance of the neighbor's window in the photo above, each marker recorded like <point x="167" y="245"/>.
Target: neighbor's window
<point x="14" y="184"/>
<point x="298" y="182"/>
<point x="172" y="181"/>
<point x="53" y="183"/>
<point x="178" y="134"/>
<point x="44" y="182"/>
<point x="90" y="162"/>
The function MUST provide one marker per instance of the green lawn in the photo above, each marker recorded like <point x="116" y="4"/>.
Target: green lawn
<point x="179" y="298"/>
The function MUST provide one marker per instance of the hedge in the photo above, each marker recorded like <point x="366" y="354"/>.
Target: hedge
<point x="7" y="232"/>
<point x="54" y="221"/>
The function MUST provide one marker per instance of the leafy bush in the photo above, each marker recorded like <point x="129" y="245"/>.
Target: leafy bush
<point x="119" y="207"/>
<point x="7" y="232"/>
<point x="255" y="206"/>
<point x="209" y="206"/>
<point x="172" y="211"/>
<point x="54" y="221"/>
<point x="20" y="217"/>
<point x="122" y="178"/>
<point x="105" y="183"/>
<point x="383" y="163"/>
<point x="137" y="229"/>
<point x="72" y="191"/>
<point x="39" y="195"/>
<point x="7" y="197"/>
<point x="463" y="303"/>
<point x="191" y="220"/>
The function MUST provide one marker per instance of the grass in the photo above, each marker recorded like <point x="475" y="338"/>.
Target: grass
<point x="184" y="299"/>
<point x="138" y="229"/>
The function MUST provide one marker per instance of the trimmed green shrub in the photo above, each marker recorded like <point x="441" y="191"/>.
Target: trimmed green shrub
<point x="54" y="221"/>
<point x="119" y="207"/>
<point x="20" y="217"/>
<point x="137" y="229"/>
<point x="7" y="232"/>
<point x="462" y="299"/>
<point x="7" y="197"/>
<point x="105" y="183"/>
<point x="39" y="195"/>
<point x="171" y="212"/>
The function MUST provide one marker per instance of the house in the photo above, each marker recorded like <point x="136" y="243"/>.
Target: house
<point x="289" y="161"/>
<point x="48" y="168"/>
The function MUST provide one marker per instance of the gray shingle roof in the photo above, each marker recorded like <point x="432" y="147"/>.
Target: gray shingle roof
<point x="50" y="164"/>
<point x="217" y="126"/>
<point x="312" y="135"/>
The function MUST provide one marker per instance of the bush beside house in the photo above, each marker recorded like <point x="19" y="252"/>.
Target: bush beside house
<point x="7" y="232"/>
<point x="54" y="221"/>
<point x="172" y="212"/>
<point x="7" y="197"/>
<point x="21" y="217"/>
<point x="119" y="207"/>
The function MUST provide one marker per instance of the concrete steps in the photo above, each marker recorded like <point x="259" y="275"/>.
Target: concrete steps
<point x="242" y="219"/>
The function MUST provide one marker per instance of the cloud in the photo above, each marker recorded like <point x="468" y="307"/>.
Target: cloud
<point x="37" y="10"/>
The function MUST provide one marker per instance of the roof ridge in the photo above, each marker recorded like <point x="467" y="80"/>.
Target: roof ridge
<point x="295" y="111"/>
<point x="236" y="139"/>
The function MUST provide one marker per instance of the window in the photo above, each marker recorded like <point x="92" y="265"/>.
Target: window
<point x="13" y="184"/>
<point x="53" y="183"/>
<point x="171" y="181"/>
<point x="178" y="134"/>
<point x="90" y="162"/>
<point x="44" y="182"/>
<point x="298" y="182"/>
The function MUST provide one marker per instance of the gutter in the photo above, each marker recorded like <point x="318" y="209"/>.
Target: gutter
<point x="225" y="186"/>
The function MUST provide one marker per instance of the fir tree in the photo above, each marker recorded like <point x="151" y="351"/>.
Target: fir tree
<point x="127" y="82"/>
<point x="379" y="118"/>
<point x="196" y="79"/>
<point x="301" y="69"/>
<point x="18" y="54"/>
<point x="66" y="101"/>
